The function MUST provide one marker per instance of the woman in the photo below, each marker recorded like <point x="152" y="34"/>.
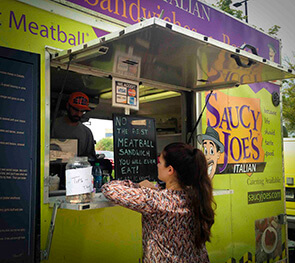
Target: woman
<point x="176" y="221"/>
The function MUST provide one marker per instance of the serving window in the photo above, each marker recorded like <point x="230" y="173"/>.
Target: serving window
<point x="168" y="109"/>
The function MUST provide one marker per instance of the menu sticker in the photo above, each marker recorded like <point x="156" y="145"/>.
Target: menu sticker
<point x="125" y="94"/>
<point x="79" y="181"/>
<point x="135" y="148"/>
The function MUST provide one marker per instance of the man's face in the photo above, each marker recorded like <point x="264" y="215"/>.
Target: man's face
<point x="74" y="114"/>
<point x="212" y="156"/>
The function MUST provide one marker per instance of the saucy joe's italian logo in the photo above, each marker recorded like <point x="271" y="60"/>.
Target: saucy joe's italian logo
<point x="233" y="139"/>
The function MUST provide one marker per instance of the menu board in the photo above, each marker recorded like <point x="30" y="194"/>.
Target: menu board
<point x="19" y="151"/>
<point x="135" y="148"/>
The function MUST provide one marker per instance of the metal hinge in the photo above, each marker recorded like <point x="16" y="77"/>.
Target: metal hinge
<point x="46" y="251"/>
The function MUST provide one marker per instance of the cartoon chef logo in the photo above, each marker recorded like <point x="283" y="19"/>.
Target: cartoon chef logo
<point x="233" y="141"/>
<point x="213" y="148"/>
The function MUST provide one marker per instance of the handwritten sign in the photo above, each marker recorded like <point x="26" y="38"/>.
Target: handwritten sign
<point x="79" y="181"/>
<point x="135" y="148"/>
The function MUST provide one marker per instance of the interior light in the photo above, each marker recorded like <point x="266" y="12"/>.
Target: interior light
<point x="159" y="96"/>
<point x="147" y="98"/>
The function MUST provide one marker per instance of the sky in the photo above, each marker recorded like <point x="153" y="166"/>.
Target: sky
<point x="266" y="13"/>
<point x="98" y="127"/>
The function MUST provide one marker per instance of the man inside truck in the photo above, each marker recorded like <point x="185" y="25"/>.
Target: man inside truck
<point x="70" y="126"/>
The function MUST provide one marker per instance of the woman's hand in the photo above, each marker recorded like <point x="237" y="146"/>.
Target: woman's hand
<point x="148" y="184"/>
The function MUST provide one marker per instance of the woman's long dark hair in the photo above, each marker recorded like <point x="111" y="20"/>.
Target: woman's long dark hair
<point x="191" y="167"/>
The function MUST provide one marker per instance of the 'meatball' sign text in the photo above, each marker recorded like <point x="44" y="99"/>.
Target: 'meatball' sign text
<point x="135" y="148"/>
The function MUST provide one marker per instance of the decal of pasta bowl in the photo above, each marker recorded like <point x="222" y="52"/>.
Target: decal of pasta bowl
<point x="269" y="239"/>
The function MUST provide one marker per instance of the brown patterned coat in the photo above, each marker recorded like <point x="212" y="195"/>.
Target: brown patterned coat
<point x="167" y="225"/>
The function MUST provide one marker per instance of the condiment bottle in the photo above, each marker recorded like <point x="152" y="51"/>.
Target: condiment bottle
<point x="97" y="177"/>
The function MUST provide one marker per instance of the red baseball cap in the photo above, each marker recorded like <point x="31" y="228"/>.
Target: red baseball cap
<point x="79" y="100"/>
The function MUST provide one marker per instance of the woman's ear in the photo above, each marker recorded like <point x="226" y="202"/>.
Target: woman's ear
<point x="171" y="170"/>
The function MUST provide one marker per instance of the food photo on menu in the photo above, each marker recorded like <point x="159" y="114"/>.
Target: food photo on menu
<point x="268" y="234"/>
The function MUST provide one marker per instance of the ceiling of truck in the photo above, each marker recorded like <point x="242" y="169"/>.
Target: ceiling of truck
<point x="97" y="88"/>
<point x="162" y="55"/>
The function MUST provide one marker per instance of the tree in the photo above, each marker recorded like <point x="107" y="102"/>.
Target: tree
<point x="224" y="5"/>
<point x="273" y="31"/>
<point x="288" y="91"/>
<point x="288" y="106"/>
<point x="285" y="132"/>
<point x="288" y="95"/>
<point x="105" y="144"/>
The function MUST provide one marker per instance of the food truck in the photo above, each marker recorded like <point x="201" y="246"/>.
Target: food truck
<point x="289" y="153"/>
<point x="151" y="67"/>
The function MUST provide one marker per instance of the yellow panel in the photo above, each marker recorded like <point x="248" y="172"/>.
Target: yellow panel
<point x="290" y="205"/>
<point x="290" y="212"/>
<point x="220" y="247"/>
<point x="105" y="235"/>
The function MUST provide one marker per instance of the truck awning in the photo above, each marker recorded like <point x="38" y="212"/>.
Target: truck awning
<point x="163" y="55"/>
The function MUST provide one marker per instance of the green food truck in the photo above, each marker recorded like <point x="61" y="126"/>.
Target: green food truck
<point x="289" y="155"/>
<point x="150" y="67"/>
